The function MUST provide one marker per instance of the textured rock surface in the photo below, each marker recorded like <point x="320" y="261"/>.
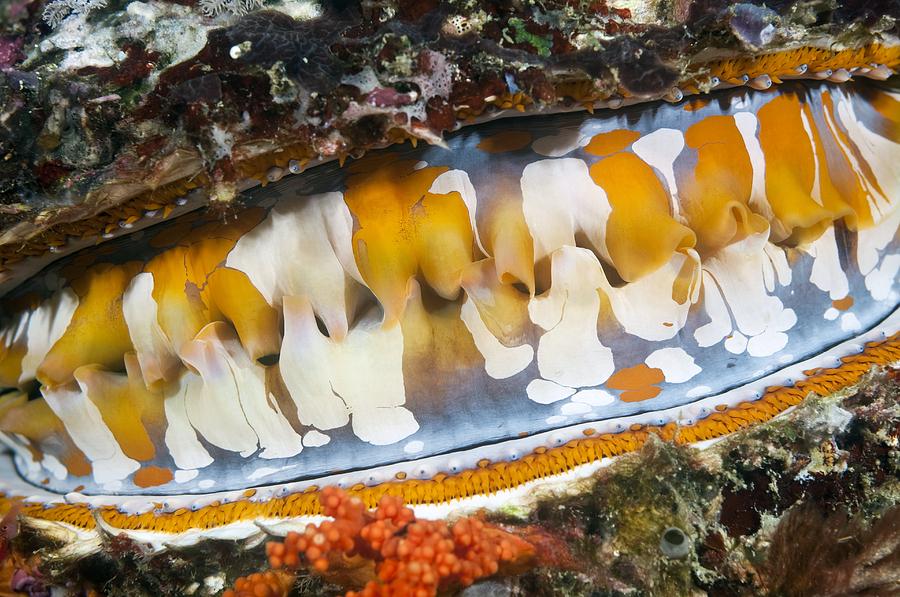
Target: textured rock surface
<point x="805" y="505"/>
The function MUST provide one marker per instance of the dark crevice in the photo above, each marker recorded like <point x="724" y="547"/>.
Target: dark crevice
<point x="269" y="360"/>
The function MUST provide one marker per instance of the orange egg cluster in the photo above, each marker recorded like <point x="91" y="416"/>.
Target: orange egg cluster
<point x="271" y="583"/>
<point x="430" y="555"/>
<point x="412" y="557"/>
<point x="326" y="541"/>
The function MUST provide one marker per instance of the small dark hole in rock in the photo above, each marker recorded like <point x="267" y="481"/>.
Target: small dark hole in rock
<point x="674" y="543"/>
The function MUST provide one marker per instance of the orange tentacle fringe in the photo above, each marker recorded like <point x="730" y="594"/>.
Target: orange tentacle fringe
<point x="498" y="476"/>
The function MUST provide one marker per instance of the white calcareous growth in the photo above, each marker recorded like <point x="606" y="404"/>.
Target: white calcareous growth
<point x="500" y="362"/>
<point x="660" y="149"/>
<point x="675" y="363"/>
<point x="233" y="409"/>
<point x="547" y="392"/>
<point x="879" y="267"/>
<point x="360" y="376"/>
<point x="304" y="248"/>
<point x="155" y="352"/>
<point x="646" y="308"/>
<point x="827" y="274"/>
<point x="742" y="276"/>
<point x="46" y="325"/>
<point x="879" y="154"/>
<point x="83" y="421"/>
<point x="560" y="201"/>
<point x="570" y="352"/>
<point x="181" y="437"/>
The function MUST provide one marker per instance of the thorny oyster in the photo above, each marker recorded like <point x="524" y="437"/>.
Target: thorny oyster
<point x="659" y="219"/>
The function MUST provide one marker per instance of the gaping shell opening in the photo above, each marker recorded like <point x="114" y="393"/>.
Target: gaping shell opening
<point x="445" y="323"/>
<point x="451" y="321"/>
